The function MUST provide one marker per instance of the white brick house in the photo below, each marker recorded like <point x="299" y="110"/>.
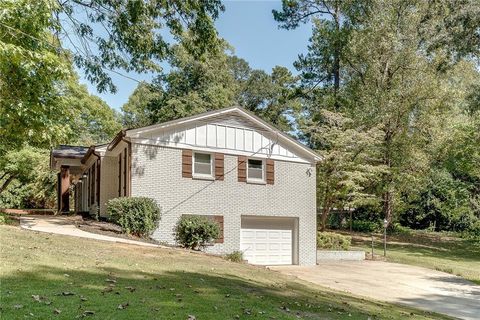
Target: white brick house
<point x="255" y="181"/>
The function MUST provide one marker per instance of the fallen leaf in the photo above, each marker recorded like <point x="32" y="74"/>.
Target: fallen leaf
<point x="56" y="311"/>
<point x="191" y="317"/>
<point x="88" y="313"/>
<point x="123" y="305"/>
<point x="131" y="289"/>
<point x="18" y="306"/>
<point x="67" y="293"/>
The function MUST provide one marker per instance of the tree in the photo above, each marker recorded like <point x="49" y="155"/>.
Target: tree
<point x="351" y="162"/>
<point x="19" y="165"/>
<point x="31" y="71"/>
<point x="218" y="80"/>
<point x="92" y="120"/>
<point x="34" y="63"/>
<point x="385" y="65"/>
<point x="333" y="21"/>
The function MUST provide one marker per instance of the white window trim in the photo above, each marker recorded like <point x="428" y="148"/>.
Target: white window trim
<point x="255" y="180"/>
<point x="202" y="176"/>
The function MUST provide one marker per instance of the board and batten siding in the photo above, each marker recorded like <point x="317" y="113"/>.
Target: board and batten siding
<point x="224" y="137"/>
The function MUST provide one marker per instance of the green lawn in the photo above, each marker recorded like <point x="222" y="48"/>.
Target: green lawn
<point x="46" y="276"/>
<point x="431" y="250"/>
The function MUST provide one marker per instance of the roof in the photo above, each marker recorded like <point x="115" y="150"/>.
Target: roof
<point x="210" y="114"/>
<point x="67" y="151"/>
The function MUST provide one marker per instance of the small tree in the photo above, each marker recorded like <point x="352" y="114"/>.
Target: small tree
<point x="195" y="232"/>
<point x="350" y="163"/>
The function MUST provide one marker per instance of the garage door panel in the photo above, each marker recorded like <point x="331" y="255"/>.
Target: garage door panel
<point x="267" y="247"/>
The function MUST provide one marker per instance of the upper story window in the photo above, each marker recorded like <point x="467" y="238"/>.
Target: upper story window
<point x="256" y="170"/>
<point x="202" y="164"/>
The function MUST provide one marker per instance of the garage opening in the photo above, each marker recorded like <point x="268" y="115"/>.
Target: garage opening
<point x="269" y="240"/>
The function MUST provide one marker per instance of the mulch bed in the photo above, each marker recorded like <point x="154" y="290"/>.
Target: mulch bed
<point x="107" y="229"/>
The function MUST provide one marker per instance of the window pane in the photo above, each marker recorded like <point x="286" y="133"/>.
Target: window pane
<point x="258" y="164"/>
<point x="255" y="169"/>
<point x="202" y="164"/>
<point x="202" y="157"/>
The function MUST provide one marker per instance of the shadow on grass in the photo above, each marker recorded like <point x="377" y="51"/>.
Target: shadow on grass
<point x="106" y="293"/>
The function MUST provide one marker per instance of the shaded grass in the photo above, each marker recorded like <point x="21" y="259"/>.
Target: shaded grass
<point x="46" y="276"/>
<point x="428" y="249"/>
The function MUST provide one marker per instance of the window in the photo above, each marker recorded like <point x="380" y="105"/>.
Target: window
<point x="202" y="164"/>
<point x="255" y="170"/>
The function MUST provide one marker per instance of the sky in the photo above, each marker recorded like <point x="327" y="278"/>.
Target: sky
<point x="250" y="28"/>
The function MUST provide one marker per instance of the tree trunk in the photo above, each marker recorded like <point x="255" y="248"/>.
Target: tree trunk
<point x="323" y="219"/>
<point x="387" y="206"/>
<point x="336" y="59"/>
<point x="6" y="183"/>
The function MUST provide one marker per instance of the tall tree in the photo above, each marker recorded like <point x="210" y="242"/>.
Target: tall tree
<point x="102" y="36"/>
<point x="321" y="67"/>
<point x="216" y="81"/>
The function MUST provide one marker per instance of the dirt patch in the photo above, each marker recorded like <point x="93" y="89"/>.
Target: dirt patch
<point x="107" y="229"/>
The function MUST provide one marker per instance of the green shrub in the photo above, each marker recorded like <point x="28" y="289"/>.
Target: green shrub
<point x="136" y="215"/>
<point x="365" y="226"/>
<point x="196" y="231"/>
<point x="398" y="229"/>
<point x="473" y="232"/>
<point x="333" y="241"/>
<point x="235" y="256"/>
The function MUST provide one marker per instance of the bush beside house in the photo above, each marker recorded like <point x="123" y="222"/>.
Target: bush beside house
<point x="333" y="241"/>
<point x="136" y="215"/>
<point x="195" y="232"/>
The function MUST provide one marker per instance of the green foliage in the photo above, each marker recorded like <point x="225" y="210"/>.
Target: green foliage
<point x="195" y="232"/>
<point x="351" y="161"/>
<point x="402" y="71"/>
<point x="136" y="215"/>
<point x="365" y="226"/>
<point x="235" y="256"/>
<point x="5" y="219"/>
<point x="333" y="241"/>
<point x="94" y="122"/>
<point x="31" y="74"/>
<point x="135" y="34"/>
<point x="26" y="180"/>
<point x="218" y="80"/>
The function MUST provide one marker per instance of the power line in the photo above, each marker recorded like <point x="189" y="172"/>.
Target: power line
<point x="61" y="48"/>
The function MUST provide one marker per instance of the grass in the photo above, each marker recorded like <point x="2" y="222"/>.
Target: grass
<point x="432" y="250"/>
<point x="45" y="276"/>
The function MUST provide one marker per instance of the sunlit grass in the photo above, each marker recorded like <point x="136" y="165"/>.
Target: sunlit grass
<point x="431" y="250"/>
<point x="47" y="276"/>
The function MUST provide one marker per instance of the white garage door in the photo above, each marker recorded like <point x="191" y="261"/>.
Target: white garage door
<point x="266" y="246"/>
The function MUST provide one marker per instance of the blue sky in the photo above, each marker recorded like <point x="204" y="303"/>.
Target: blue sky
<point x="250" y="28"/>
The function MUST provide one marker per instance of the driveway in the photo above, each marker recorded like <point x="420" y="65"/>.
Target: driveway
<point x="65" y="226"/>
<point x="397" y="283"/>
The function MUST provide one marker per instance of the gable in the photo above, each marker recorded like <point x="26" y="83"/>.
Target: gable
<point x="230" y="132"/>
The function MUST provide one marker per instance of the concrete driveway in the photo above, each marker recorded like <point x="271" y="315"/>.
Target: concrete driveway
<point x="397" y="283"/>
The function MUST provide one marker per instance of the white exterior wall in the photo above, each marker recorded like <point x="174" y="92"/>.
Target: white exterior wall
<point x="157" y="173"/>
<point x="109" y="176"/>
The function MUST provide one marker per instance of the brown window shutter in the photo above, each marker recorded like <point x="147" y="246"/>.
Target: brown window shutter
<point x="242" y="169"/>
<point x="219" y="220"/>
<point x="186" y="163"/>
<point x="219" y="166"/>
<point x="270" y="171"/>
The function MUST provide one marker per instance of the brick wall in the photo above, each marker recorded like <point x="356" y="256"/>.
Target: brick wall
<point x="157" y="173"/>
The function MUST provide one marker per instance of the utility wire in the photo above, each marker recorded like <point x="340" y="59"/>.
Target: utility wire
<point x="61" y="48"/>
